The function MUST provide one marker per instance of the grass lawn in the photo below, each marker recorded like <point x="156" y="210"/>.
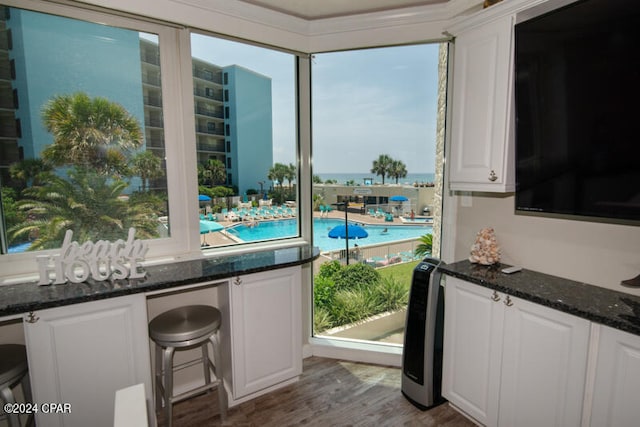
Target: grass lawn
<point x="403" y="273"/>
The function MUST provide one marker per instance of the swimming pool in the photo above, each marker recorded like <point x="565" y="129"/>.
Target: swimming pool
<point x="267" y="230"/>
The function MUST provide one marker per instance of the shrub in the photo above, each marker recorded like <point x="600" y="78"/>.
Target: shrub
<point x="391" y="294"/>
<point x="356" y="276"/>
<point x="351" y="305"/>
<point x="322" y="319"/>
<point x="329" y="269"/>
<point x="324" y="290"/>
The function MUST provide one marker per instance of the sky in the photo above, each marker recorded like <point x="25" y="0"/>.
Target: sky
<point x="364" y="103"/>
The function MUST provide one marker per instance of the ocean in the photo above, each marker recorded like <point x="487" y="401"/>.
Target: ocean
<point x="359" y="178"/>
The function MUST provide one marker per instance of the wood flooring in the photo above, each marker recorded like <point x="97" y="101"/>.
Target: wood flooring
<point x="329" y="393"/>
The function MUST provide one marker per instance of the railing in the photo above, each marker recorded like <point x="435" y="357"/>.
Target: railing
<point x="379" y="255"/>
<point x="209" y="76"/>
<point x="208" y="113"/>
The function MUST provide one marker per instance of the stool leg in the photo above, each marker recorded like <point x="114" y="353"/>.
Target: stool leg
<point x="205" y="362"/>
<point x="219" y="372"/>
<point x="158" y="378"/>
<point x="167" y="368"/>
<point x="7" y="397"/>
<point x="26" y="390"/>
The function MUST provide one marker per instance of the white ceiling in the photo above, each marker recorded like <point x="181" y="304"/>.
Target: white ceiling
<point x="319" y="9"/>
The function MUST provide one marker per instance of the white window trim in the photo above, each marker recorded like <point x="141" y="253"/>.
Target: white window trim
<point x="178" y="112"/>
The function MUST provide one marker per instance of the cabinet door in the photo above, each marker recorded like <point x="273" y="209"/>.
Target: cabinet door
<point x="543" y="366"/>
<point x="82" y="354"/>
<point x="472" y="349"/>
<point x="266" y="330"/>
<point x="616" y="396"/>
<point x="482" y="136"/>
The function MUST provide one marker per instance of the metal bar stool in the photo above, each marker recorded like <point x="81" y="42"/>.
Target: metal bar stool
<point x="181" y="328"/>
<point x="13" y="370"/>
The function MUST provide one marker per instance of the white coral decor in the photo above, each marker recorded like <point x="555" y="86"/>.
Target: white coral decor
<point x="485" y="250"/>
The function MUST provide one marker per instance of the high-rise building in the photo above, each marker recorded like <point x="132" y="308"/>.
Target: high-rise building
<point x="232" y="105"/>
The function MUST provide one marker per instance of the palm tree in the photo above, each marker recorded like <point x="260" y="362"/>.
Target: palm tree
<point x="88" y="203"/>
<point x="213" y="172"/>
<point x="425" y="247"/>
<point x="89" y="132"/>
<point x="382" y="165"/>
<point x="291" y="173"/>
<point x="278" y="172"/>
<point x="397" y="170"/>
<point x="30" y="171"/>
<point x="147" y="166"/>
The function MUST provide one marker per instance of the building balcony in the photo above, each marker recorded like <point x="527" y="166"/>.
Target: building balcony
<point x="209" y="131"/>
<point x="216" y="96"/>
<point x="208" y="113"/>
<point x="153" y="101"/>
<point x="208" y="76"/>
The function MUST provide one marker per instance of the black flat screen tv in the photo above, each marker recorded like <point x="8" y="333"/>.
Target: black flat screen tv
<point x="577" y="103"/>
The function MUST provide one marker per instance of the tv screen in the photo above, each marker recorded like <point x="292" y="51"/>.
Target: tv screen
<point x="577" y="89"/>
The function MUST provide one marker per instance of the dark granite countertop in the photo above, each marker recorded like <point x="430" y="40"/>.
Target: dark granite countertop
<point x="605" y="306"/>
<point x="26" y="297"/>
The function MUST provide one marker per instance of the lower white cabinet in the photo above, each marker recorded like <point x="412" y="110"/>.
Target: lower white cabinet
<point x="82" y="354"/>
<point x="509" y="362"/>
<point x="266" y="331"/>
<point x="616" y="392"/>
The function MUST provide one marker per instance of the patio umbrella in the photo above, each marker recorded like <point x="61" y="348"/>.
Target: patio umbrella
<point x="207" y="227"/>
<point x="398" y="199"/>
<point x="354" y="231"/>
<point x="203" y="198"/>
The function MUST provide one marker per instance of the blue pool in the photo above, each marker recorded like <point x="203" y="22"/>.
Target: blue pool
<point x="266" y="230"/>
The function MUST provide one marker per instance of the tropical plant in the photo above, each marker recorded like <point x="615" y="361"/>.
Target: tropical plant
<point x="212" y="172"/>
<point x="30" y="172"/>
<point x="425" y="246"/>
<point x="89" y="132"/>
<point x="291" y="173"/>
<point x="147" y="166"/>
<point x="382" y="166"/>
<point x="397" y="170"/>
<point x="278" y="172"/>
<point x="88" y="203"/>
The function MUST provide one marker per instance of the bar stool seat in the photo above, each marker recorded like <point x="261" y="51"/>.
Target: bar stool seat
<point x="183" y="328"/>
<point x="13" y="370"/>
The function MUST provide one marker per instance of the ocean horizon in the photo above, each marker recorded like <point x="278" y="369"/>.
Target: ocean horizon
<point x="358" y="178"/>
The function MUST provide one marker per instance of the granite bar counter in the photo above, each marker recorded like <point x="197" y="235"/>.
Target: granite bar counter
<point x="601" y="305"/>
<point x="26" y="297"/>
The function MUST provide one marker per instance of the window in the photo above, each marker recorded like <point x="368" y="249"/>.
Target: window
<point x="375" y="122"/>
<point x="93" y="133"/>
<point x="257" y="200"/>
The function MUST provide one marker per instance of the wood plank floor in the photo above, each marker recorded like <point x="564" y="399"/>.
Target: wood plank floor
<point x="330" y="393"/>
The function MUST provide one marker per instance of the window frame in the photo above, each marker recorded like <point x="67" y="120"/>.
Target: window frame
<point x="180" y="145"/>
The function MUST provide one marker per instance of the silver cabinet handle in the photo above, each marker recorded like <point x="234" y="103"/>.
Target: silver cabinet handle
<point x="237" y="281"/>
<point x="495" y="296"/>
<point x="508" y="302"/>
<point x="32" y="318"/>
<point x="493" y="176"/>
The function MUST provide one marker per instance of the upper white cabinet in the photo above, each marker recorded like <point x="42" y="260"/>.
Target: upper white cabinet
<point x="266" y="330"/>
<point x="617" y="382"/>
<point x="509" y="362"/>
<point x="82" y="354"/>
<point x="482" y="139"/>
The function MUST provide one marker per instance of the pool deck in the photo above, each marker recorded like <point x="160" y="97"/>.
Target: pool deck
<point x="220" y="239"/>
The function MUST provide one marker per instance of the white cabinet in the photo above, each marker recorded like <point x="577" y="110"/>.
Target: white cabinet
<point x="472" y="350"/>
<point x="509" y="362"/>
<point x="616" y="395"/>
<point x="482" y="139"/>
<point x="82" y="354"/>
<point x="266" y="331"/>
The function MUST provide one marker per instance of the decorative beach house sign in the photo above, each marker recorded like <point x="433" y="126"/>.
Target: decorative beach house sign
<point x="100" y="261"/>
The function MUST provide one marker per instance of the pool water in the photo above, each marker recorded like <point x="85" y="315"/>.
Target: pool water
<point x="267" y="230"/>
